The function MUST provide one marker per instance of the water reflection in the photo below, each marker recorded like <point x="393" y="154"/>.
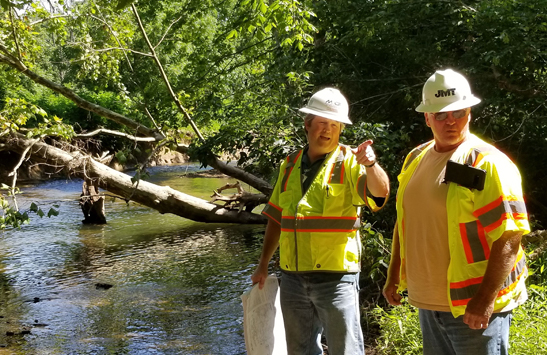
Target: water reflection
<point x="175" y="284"/>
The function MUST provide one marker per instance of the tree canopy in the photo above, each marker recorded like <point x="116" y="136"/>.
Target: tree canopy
<point x="214" y="77"/>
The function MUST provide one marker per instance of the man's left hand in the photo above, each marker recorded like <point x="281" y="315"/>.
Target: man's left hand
<point x="364" y="154"/>
<point x="477" y="314"/>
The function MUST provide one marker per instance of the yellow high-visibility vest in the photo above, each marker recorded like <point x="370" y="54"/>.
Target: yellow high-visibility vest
<point x="320" y="229"/>
<point x="476" y="219"/>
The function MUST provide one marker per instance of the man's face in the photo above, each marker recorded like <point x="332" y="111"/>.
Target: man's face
<point x="323" y="135"/>
<point x="451" y="131"/>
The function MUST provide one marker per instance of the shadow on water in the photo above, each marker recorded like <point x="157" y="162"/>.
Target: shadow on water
<point x="145" y="283"/>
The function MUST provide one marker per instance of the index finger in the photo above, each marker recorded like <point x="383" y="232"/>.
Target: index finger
<point x="363" y="145"/>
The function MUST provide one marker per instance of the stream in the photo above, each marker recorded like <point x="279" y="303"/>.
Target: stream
<point x="145" y="283"/>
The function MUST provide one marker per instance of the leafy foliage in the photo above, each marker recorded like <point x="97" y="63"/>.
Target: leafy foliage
<point x="12" y="217"/>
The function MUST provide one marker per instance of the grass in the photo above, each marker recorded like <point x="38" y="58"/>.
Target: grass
<point x="400" y="328"/>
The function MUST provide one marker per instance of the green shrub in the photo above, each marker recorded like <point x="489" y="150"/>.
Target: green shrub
<point x="399" y="330"/>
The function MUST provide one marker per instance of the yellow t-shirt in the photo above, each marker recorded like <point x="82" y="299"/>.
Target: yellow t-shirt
<point x="426" y="233"/>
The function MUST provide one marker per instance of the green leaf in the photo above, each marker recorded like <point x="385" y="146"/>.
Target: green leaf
<point x="233" y="33"/>
<point x="33" y="207"/>
<point x="52" y="212"/>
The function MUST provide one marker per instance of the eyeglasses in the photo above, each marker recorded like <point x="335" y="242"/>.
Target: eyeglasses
<point x="441" y="116"/>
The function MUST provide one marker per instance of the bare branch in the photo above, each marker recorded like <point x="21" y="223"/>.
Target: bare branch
<point x="121" y="49"/>
<point x="167" y="31"/>
<point x="46" y="19"/>
<point x="115" y="133"/>
<point x="14" y="172"/>
<point x="113" y="35"/>
<point x="164" y="76"/>
<point x="153" y="120"/>
<point x="14" y="33"/>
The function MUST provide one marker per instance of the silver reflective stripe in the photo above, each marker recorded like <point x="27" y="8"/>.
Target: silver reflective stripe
<point x="337" y="173"/>
<point x="322" y="224"/>
<point x="362" y="187"/>
<point x="467" y="292"/>
<point x="272" y="212"/>
<point x="291" y="160"/>
<point x="472" y="230"/>
<point x="464" y="293"/>
<point x="497" y="212"/>
<point x="514" y="274"/>
<point x="476" y="152"/>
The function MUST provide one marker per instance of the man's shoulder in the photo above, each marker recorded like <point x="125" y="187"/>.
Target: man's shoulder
<point x="480" y="152"/>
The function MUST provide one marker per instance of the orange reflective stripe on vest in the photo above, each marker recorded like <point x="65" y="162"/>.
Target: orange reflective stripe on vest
<point x="493" y="214"/>
<point x="461" y="292"/>
<point x="291" y="160"/>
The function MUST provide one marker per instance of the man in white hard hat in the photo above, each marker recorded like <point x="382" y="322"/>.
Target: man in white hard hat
<point x="314" y="218"/>
<point x="460" y="218"/>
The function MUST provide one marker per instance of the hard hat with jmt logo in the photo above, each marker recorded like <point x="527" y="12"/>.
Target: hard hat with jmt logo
<point x="446" y="90"/>
<point x="328" y="103"/>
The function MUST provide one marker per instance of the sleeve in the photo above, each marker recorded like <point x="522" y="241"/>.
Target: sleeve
<point x="500" y="207"/>
<point x="358" y="182"/>
<point x="272" y="210"/>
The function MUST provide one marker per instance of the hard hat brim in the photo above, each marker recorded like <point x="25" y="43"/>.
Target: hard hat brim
<point x="330" y="116"/>
<point x="458" y="105"/>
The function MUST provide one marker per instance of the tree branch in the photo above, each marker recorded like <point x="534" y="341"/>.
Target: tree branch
<point x="164" y="76"/>
<point x="47" y="19"/>
<point x="14" y="33"/>
<point x="121" y="49"/>
<point x="14" y="172"/>
<point x="115" y="133"/>
<point x="113" y="35"/>
<point x="71" y="95"/>
<point x="167" y="31"/>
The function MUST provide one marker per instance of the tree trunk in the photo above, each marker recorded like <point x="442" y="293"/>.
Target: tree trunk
<point x="92" y="203"/>
<point x="161" y="198"/>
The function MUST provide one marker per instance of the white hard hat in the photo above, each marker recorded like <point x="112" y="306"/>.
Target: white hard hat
<point x="328" y="103"/>
<point x="446" y="90"/>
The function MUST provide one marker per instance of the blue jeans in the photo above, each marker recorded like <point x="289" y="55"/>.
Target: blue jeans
<point x="314" y="302"/>
<point x="443" y="334"/>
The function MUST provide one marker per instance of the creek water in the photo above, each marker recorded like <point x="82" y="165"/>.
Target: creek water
<point x="175" y="283"/>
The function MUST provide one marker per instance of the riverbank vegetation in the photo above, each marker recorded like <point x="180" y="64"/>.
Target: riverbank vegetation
<point x="88" y="84"/>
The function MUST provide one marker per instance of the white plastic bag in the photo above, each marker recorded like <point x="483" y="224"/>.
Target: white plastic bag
<point x="262" y="320"/>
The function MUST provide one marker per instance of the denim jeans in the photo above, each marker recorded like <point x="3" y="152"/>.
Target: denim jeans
<point x="314" y="302"/>
<point x="443" y="334"/>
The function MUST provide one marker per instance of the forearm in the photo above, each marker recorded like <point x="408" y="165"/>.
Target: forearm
<point x="390" y="290"/>
<point x="271" y="242"/>
<point x="502" y="259"/>
<point x="394" y="268"/>
<point x="377" y="181"/>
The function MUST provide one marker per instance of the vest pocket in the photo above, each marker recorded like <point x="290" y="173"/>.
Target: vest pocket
<point x="330" y="252"/>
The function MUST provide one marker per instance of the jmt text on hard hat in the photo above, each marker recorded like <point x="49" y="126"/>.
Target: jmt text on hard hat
<point x="443" y="93"/>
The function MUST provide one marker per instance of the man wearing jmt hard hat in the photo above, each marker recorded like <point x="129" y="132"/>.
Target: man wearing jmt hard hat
<point x="314" y="217"/>
<point x="460" y="218"/>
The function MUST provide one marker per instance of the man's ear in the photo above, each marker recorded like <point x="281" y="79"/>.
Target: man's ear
<point x="427" y="119"/>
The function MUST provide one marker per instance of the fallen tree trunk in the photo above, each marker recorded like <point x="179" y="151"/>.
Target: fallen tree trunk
<point x="161" y="198"/>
